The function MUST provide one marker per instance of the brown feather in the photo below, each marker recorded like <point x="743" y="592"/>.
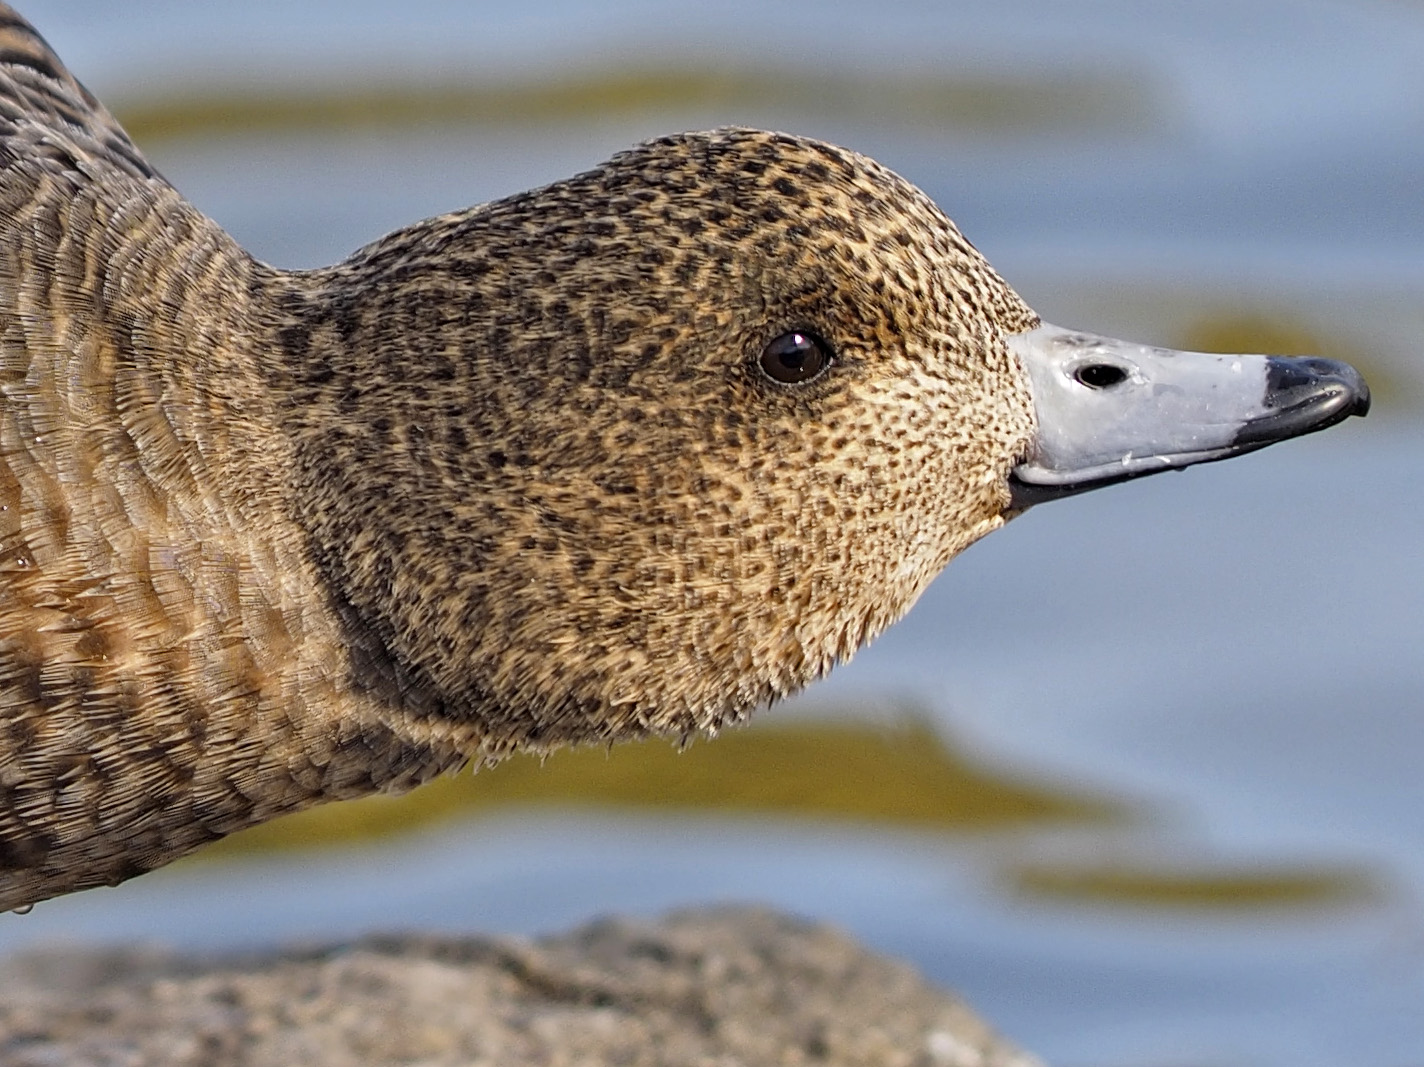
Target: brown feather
<point x="511" y="477"/>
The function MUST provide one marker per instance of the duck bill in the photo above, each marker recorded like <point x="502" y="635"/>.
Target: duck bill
<point x="1112" y="410"/>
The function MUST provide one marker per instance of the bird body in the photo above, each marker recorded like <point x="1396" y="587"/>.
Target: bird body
<point x="637" y="452"/>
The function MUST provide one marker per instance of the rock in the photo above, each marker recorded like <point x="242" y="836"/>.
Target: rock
<point x="709" y="988"/>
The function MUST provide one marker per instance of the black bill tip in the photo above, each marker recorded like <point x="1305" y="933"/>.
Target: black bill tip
<point x="1305" y="394"/>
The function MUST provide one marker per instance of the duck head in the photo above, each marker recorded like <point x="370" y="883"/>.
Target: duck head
<point x="644" y="449"/>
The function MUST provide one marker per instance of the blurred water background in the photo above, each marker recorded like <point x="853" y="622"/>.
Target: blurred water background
<point x="1140" y="775"/>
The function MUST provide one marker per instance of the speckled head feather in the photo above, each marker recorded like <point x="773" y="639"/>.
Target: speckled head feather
<point x="636" y="452"/>
<point x="541" y="464"/>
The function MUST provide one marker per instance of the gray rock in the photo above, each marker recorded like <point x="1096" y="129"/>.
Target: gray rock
<point x="710" y="988"/>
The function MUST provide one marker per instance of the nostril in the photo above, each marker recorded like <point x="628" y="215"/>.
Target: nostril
<point x="1099" y="375"/>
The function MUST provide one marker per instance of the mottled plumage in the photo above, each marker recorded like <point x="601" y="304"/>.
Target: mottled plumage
<point x="511" y="477"/>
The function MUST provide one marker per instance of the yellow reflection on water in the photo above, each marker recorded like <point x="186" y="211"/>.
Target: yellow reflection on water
<point x="1057" y="103"/>
<point x="1206" y="887"/>
<point x="906" y="776"/>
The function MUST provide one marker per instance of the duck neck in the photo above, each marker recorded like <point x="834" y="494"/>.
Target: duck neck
<point x="148" y="509"/>
<point x="356" y="475"/>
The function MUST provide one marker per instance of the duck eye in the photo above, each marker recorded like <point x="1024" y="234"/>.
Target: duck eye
<point x="794" y="358"/>
<point x="1099" y="375"/>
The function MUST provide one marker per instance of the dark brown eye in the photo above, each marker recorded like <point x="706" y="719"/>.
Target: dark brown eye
<point x="795" y="357"/>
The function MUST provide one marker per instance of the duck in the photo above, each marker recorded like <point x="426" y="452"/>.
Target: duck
<point x="635" y="453"/>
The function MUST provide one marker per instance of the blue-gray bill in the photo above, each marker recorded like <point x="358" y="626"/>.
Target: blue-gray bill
<point x="1112" y="410"/>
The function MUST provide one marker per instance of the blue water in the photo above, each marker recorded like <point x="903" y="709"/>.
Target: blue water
<point x="1234" y="648"/>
